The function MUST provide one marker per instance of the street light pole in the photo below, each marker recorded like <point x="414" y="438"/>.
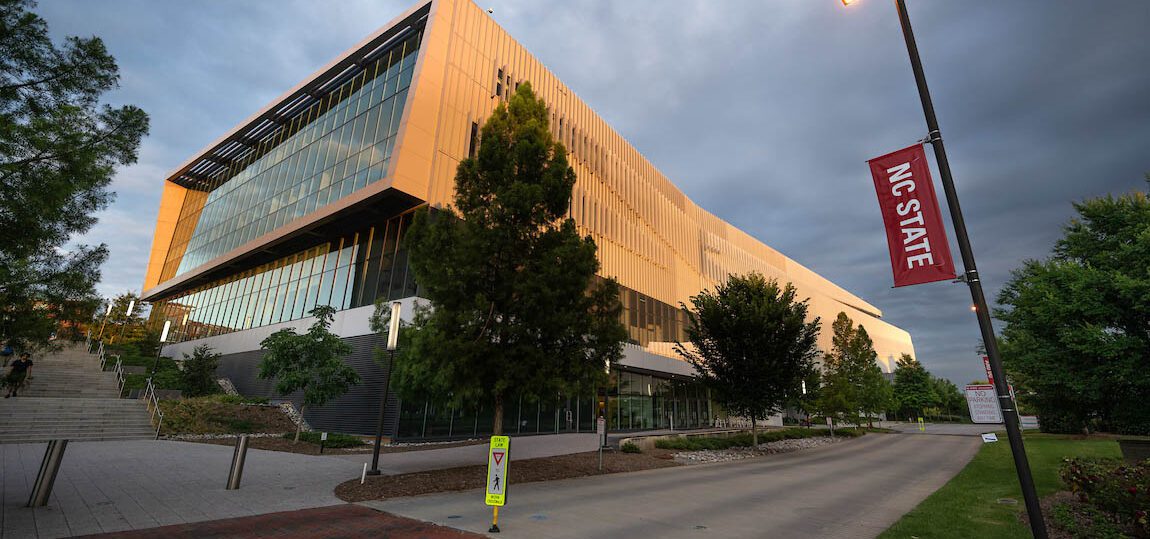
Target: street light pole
<point x="392" y="344"/>
<point x="107" y="312"/>
<point x="970" y="275"/>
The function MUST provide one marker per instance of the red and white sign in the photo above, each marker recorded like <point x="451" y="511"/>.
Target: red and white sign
<point x="982" y="401"/>
<point x="919" y="251"/>
<point x="989" y="372"/>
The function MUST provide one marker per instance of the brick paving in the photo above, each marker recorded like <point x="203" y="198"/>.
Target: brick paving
<point x="343" y="521"/>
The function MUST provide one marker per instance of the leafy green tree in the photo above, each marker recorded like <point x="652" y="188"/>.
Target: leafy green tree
<point x="128" y="330"/>
<point x="950" y="400"/>
<point x="877" y="395"/>
<point x="58" y="152"/>
<point x="851" y="377"/>
<point x="199" y="373"/>
<point x="751" y="344"/>
<point x="312" y="362"/>
<point x="1076" y="341"/>
<point x="515" y="304"/>
<point x="807" y="403"/>
<point x="913" y="390"/>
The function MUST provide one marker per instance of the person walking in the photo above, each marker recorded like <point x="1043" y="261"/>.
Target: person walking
<point x="17" y="374"/>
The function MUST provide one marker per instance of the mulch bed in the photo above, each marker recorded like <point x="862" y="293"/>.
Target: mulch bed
<point x="524" y="471"/>
<point x="304" y="448"/>
<point x="1081" y="518"/>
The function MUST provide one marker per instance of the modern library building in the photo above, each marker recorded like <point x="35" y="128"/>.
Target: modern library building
<point x="307" y="201"/>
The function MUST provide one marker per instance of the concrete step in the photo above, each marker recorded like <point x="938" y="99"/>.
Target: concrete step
<point x="33" y="439"/>
<point x="105" y="423"/>
<point x="81" y="430"/>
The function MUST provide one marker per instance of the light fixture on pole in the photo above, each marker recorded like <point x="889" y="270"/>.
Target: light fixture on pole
<point x="392" y="345"/>
<point x="160" y="348"/>
<point x="127" y="317"/>
<point x="107" y="312"/>
<point x="934" y="137"/>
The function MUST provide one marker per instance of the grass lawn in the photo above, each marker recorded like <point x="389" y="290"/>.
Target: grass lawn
<point x="967" y="506"/>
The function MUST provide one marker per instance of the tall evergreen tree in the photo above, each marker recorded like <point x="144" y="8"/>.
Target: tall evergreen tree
<point x="515" y="304"/>
<point x="58" y="152"/>
<point x="913" y="391"/>
<point x="751" y="344"/>
<point x="853" y="383"/>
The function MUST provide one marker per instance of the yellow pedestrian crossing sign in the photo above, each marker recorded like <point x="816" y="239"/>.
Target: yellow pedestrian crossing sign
<point x="497" y="458"/>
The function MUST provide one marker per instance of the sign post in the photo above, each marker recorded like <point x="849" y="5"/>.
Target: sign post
<point x="982" y="400"/>
<point x="496" y="495"/>
<point x="601" y="430"/>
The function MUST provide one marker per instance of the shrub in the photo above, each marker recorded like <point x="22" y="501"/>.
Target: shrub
<point x="199" y="374"/>
<point x="208" y="415"/>
<point x="630" y="448"/>
<point x="334" y="440"/>
<point x="238" y="399"/>
<point x="1111" y="486"/>
<point x="697" y="443"/>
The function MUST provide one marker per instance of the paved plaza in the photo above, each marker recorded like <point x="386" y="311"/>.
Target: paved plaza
<point x="126" y="485"/>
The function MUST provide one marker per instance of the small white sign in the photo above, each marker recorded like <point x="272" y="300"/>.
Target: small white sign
<point x="989" y="437"/>
<point x="323" y="437"/>
<point x="1029" y="421"/>
<point x="982" y="400"/>
<point x="601" y="427"/>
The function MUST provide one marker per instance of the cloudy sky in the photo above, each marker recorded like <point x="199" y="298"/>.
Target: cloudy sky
<point x="762" y="111"/>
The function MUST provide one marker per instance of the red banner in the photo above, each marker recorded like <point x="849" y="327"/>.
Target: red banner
<point x="919" y="251"/>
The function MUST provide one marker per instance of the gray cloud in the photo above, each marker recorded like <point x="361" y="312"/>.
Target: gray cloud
<point x="762" y="112"/>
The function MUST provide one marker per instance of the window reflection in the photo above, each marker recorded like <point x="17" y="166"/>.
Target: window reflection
<point x="337" y="146"/>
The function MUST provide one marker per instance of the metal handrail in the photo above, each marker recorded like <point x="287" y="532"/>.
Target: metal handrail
<point x="152" y="404"/>
<point x="119" y="370"/>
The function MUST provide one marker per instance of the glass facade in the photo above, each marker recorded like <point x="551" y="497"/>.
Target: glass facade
<point x="351" y="271"/>
<point x="336" y="146"/>
<point x="648" y="319"/>
<point x="635" y="402"/>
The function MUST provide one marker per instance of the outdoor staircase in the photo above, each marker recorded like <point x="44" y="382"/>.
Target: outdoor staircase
<point x="69" y="397"/>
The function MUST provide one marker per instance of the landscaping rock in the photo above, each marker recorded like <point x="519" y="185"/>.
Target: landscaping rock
<point x="707" y="456"/>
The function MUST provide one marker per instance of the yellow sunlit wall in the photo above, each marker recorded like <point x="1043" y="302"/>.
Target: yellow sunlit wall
<point x="651" y="237"/>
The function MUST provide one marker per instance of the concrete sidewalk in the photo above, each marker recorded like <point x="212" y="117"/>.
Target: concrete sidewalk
<point x="125" y="485"/>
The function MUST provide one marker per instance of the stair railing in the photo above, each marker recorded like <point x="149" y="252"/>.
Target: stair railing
<point x="152" y="404"/>
<point x="120" y="381"/>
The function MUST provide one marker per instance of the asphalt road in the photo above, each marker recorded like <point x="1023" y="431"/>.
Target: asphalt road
<point x="856" y="488"/>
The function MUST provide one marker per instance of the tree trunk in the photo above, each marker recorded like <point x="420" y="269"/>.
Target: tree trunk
<point x="299" y="425"/>
<point x="497" y="426"/>
<point x="754" y="433"/>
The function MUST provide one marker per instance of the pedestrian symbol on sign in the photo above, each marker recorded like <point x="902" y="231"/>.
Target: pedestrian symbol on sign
<point x="497" y="458"/>
<point x="496" y="494"/>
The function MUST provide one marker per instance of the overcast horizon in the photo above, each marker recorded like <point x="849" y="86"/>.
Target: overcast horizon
<point x="763" y="113"/>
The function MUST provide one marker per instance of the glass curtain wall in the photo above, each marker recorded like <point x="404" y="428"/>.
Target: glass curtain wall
<point x="347" y="272"/>
<point x="338" y="145"/>
<point x="637" y="402"/>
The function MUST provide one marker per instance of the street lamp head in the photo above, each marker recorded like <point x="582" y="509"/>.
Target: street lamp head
<point x="393" y="327"/>
<point x="849" y="2"/>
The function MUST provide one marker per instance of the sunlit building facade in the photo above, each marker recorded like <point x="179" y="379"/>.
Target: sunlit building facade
<point x="306" y="203"/>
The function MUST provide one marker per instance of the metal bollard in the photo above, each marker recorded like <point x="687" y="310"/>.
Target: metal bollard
<point x="42" y="490"/>
<point x="237" y="471"/>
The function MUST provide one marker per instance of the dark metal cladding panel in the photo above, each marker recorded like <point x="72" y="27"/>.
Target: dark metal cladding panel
<point x="356" y="412"/>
